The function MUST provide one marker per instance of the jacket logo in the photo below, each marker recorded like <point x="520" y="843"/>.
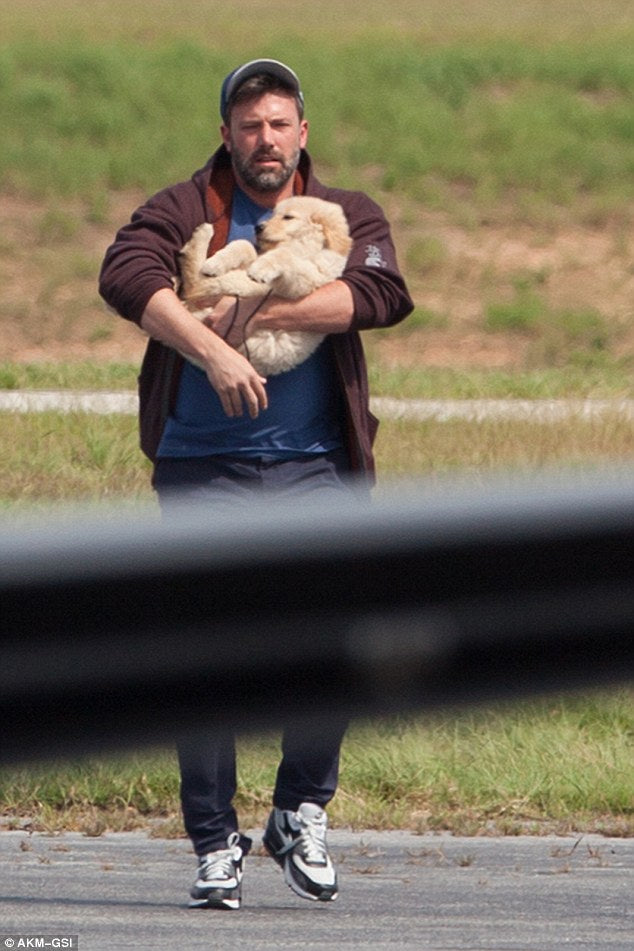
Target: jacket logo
<point x="373" y="256"/>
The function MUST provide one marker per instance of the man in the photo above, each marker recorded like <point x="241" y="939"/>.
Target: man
<point x="221" y="434"/>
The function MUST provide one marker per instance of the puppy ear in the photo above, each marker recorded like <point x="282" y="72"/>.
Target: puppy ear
<point x="335" y="228"/>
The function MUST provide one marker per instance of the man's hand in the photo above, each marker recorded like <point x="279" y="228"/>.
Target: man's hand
<point x="233" y="378"/>
<point x="237" y="384"/>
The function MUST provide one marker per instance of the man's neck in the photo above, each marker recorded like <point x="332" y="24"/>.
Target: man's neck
<point x="266" y="199"/>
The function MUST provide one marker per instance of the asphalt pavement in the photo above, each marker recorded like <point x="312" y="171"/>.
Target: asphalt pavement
<point x="397" y="890"/>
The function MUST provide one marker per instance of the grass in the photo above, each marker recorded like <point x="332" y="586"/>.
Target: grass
<point x="580" y="378"/>
<point x="559" y="764"/>
<point x="456" y="118"/>
<point x="433" y="21"/>
<point x="481" y="113"/>
<point x="575" y="381"/>
<point x="478" y="450"/>
<point x="507" y="767"/>
<point x="563" y="334"/>
<point x="61" y="458"/>
<point x="459" y="115"/>
<point x="81" y="375"/>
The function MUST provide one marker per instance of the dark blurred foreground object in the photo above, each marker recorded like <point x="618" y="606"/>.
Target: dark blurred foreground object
<point x="119" y="631"/>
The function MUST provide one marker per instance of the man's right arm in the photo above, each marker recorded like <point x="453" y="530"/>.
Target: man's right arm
<point x="136" y="281"/>
<point x="233" y="378"/>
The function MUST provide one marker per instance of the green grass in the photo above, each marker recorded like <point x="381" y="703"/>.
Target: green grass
<point x="580" y="378"/>
<point x="470" y="119"/>
<point x="81" y="375"/>
<point x="612" y="381"/>
<point x="506" y="766"/>
<point x="467" y="115"/>
<point x="564" y="335"/>
<point x="560" y="764"/>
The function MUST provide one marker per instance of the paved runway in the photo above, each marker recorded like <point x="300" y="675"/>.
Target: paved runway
<point x="398" y="891"/>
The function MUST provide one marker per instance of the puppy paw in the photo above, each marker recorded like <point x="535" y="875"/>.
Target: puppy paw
<point x="212" y="268"/>
<point x="236" y="254"/>
<point x="199" y="241"/>
<point x="205" y="230"/>
<point x="264" y="271"/>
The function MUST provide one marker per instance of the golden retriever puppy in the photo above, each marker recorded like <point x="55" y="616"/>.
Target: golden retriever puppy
<point x="304" y="245"/>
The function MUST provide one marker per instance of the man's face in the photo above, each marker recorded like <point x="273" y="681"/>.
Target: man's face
<point x="264" y="138"/>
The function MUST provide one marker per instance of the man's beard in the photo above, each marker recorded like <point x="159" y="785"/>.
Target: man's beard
<point x="265" y="180"/>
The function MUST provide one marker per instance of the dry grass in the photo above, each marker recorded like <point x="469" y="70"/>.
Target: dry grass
<point x="433" y="21"/>
<point x="478" y="449"/>
<point x="52" y="457"/>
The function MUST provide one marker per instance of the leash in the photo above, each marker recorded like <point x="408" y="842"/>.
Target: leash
<point x="236" y="308"/>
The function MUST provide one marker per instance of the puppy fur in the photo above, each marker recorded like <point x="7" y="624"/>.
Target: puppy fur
<point x="303" y="246"/>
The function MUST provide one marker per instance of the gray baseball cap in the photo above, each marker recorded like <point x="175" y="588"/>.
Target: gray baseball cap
<point x="240" y="75"/>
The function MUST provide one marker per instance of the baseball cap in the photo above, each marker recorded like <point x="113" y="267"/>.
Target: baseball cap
<point x="240" y="75"/>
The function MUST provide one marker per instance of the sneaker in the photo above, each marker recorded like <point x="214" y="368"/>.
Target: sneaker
<point x="297" y="842"/>
<point x="219" y="877"/>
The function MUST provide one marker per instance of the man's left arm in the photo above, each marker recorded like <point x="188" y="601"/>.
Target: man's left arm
<point x="328" y="310"/>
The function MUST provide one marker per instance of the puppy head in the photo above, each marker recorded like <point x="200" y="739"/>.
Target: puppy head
<point x="312" y="222"/>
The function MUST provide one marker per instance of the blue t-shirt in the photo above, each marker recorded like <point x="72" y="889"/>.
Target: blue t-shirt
<point x="304" y="412"/>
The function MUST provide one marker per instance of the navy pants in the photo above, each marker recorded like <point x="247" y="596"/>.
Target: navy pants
<point x="309" y="768"/>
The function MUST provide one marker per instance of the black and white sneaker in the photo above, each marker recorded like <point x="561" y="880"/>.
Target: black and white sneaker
<point x="218" y="884"/>
<point x="297" y="842"/>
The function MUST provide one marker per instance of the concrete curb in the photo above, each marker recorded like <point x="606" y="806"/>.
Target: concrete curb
<point x="475" y="410"/>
